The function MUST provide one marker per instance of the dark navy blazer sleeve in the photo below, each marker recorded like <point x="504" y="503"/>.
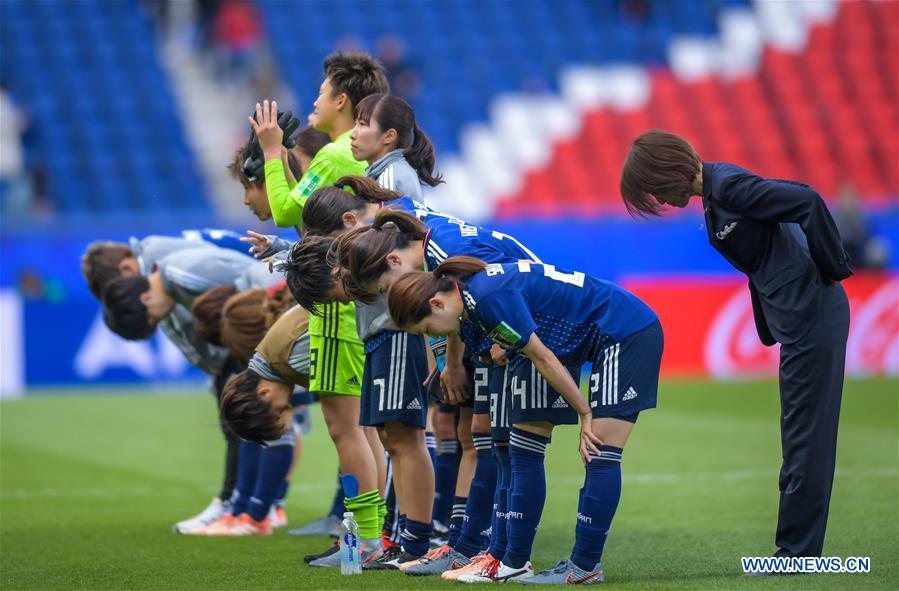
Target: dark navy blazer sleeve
<point x="770" y="200"/>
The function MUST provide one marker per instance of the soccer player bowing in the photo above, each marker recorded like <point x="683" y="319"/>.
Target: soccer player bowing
<point x="554" y="318"/>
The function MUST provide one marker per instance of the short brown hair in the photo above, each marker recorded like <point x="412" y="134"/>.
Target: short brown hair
<point x="245" y="413"/>
<point x="207" y="311"/>
<point x="408" y="300"/>
<point x="658" y="163"/>
<point x="100" y="264"/>
<point x="357" y="74"/>
<point x="243" y="323"/>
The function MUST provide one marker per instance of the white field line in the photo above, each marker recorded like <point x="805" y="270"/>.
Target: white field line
<point x="629" y="479"/>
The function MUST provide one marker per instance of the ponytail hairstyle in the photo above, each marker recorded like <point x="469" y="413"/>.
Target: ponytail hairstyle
<point x="392" y="112"/>
<point x="248" y="315"/>
<point x="408" y="300"/>
<point x="323" y="213"/>
<point x="207" y="311"/>
<point x="362" y="252"/>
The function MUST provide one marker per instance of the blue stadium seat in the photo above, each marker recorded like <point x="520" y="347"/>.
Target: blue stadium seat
<point x="523" y="41"/>
<point x="97" y="104"/>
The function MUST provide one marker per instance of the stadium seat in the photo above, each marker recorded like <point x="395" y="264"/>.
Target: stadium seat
<point x="101" y="96"/>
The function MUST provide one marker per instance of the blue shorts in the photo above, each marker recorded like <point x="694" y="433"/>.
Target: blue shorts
<point x="500" y="401"/>
<point x="392" y="389"/>
<point x="624" y="378"/>
<point x="479" y="378"/>
<point x="533" y="399"/>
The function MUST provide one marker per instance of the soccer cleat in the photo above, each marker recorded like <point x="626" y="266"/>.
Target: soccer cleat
<point x="219" y="527"/>
<point x="390" y="559"/>
<point x="278" y="517"/>
<point x="329" y="525"/>
<point x="436" y="562"/>
<point x="473" y="567"/>
<point x="497" y="572"/>
<point x="332" y="550"/>
<point x="369" y="549"/>
<point x="247" y="526"/>
<point x="566" y="573"/>
<point x="213" y="512"/>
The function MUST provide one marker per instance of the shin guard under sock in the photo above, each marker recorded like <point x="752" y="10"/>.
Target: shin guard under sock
<point x="247" y="470"/>
<point x="274" y="464"/>
<point x="527" y="495"/>
<point x="499" y="536"/>
<point x="481" y="498"/>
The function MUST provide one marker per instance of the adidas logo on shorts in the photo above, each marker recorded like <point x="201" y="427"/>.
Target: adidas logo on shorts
<point x="414" y="405"/>
<point x="629" y="395"/>
<point x="560" y="403"/>
<point x="353" y="381"/>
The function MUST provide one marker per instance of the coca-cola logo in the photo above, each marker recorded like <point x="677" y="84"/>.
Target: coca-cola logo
<point x="873" y="347"/>
<point x="732" y="348"/>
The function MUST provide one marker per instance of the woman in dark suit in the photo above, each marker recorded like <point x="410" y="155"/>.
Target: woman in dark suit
<point x="780" y="234"/>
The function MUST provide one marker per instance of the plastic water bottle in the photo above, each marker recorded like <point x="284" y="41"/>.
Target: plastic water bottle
<point x="350" y="555"/>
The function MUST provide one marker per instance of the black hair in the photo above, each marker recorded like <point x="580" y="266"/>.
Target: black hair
<point x="357" y="74"/>
<point x="308" y="271"/>
<point x="123" y="312"/>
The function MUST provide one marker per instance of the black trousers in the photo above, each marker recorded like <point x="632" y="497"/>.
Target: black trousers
<point x="232" y="441"/>
<point x="811" y="388"/>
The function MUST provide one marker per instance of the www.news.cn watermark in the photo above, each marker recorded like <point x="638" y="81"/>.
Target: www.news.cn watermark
<point x="805" y="564"/>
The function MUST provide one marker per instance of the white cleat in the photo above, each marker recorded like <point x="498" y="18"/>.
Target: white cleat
<point x="212" y="513"/>
<point x="498" y="572"/>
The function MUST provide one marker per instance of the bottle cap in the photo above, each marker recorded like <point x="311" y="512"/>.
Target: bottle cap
<point x="348" y="514"/>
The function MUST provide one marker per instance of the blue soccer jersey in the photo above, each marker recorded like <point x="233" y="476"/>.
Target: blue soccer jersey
<point x="453" y="237"/>
<point x="572" y="313"/>
<point x="449" y="237"/>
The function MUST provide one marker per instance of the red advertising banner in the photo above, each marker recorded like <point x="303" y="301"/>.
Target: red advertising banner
<point x="710" y="331"/>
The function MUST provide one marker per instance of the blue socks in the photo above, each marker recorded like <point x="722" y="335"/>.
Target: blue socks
<point x="499" y="533"/>
<point x="416" y="537"/>
<point x="445" y="478"/>
<point x="337" y="507"/>
<point x="274" y="463"/>
<point x="282" y="493"/>
<point x="478" y="516"/>
<point x="456" y="517"/>
<point x="431" y="444"/>
<point x="599" y="500"/>
<point x="247" y="469"/>
<point x="528" y="494"/>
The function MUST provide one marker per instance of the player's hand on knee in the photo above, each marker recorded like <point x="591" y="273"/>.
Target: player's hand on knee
<point x="269" y="133"/>
<point x="454" y="381"/>
<point x="589" y="442"/>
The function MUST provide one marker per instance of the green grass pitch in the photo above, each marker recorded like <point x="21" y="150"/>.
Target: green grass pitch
<point x="91" y="485"/>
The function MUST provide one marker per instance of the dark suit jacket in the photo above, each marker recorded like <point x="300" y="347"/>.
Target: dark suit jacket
<point x="781" y="235"/>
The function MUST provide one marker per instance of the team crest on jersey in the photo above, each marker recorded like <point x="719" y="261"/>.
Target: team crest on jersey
<point x="494" y="269"/>
<point x="504" y="335"/>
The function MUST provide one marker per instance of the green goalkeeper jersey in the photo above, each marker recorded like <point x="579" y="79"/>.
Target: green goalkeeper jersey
<point x="333" y="161"/>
